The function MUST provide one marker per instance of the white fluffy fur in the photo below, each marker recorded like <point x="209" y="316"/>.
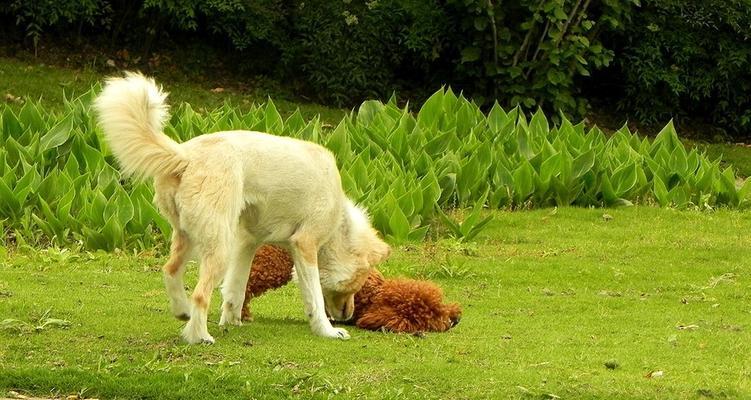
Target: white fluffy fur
<point x="226" y="193"/>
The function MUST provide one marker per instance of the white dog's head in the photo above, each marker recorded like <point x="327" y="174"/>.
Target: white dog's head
<point x="345" y="263"/>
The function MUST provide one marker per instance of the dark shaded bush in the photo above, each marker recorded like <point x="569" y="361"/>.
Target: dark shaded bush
<point x="687" y="58"/>
<point x="351" y="50"/>
<point x="661" y="59"/>
<point x="34" y="17"/>
<point x="526" y="52"/>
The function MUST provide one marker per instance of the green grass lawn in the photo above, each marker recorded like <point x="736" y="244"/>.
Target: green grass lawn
<point x="732" y="154"/>
<point x="549" y="297"/>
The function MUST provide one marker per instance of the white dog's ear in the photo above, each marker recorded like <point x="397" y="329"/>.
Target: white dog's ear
<point x="379" y="253"/>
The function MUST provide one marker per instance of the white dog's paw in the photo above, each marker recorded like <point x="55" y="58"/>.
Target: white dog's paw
<point x="181" y="312"/>
<point x="193" y="336"/>
<point x="336" y="333"/>
<point x="230" y="318"/>
<point x="180" y="309"/>
<point x="230" y="315"/>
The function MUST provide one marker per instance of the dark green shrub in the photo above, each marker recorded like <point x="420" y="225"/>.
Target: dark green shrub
<point x="530" y="52"/>
<point x="351" y="50"/>
<point x="689" y="58"/>
<point x="241" y="23"/>
<point x="525" y="52"/>
<point x="37" y="16"/>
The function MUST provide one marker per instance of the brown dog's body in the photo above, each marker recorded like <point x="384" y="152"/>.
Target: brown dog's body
<point x="272" y="268"/>
<point x="396" y="305"/>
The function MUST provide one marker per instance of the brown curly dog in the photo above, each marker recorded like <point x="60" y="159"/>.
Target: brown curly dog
<point x="271" y="269"/>
<point x="395" y="305"/>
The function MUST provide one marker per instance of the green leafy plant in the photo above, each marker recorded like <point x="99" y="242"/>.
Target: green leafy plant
<point x="59" y="184"/>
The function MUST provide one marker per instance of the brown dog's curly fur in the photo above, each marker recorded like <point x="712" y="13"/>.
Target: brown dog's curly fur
<point x="396" y="305"/>
<point x="403" y="305"/>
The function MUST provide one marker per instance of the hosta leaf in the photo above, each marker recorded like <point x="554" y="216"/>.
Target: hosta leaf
<point x="418" y="234"/>
<point x="9" y="204"/>
<point x="523" y="182"/>
<point x="497" y="118"/>
<point x="501" y="197"/>
<point x="679" y="196"/>
<point x="30" y="117"/>
<point x="124" y="207"/>
<point x="439" y="142"/>
<point x="551" y="167"/>
<point x="448" y="187"/>
<point x="706" y="179"/>
<point x="64" y="205"/>
<point x="113" y="233"/>
<point x="272" y="119"/>
<point x="583" y="164"/>
<point x="431" y="111"/>
<point x="744" y="193"/>
<point x="97" y="209"/>
<point x="337" y="141"/>
<point x="294" y="123"/>
<point x="49" y="216"/>
<point x="608" y="193"/>
<point x="525" y="147"/>
<point x="399" y="225"/>
<point x="368" y="110"/>
<point x="679" y="162"/>
<point x="624" y="180"/>
<point x="661" y="192"/>
<point x="406" y="204"/>
<point x="539" y="124"/>
<point x="10" y="127"/>
<point x="431" y="192"/>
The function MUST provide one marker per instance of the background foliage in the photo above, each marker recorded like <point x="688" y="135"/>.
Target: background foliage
<point x="656" y="59"/>
<point x="688" y="58"/>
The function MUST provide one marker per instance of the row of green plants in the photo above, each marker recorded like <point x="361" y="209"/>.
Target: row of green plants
<point x="59" y="183"/>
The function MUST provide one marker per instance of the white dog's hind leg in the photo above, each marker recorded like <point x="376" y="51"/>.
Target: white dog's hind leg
<point x="305" y="254"/>
<point x="173" y="270"/>
<point x="235" y="281"/>
<point x="213" y="263"/>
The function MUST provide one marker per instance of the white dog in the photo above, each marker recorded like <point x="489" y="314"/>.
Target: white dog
<point x="227" y="193"/>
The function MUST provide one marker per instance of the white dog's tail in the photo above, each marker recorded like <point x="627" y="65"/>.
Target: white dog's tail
<point x="132" y="111"/>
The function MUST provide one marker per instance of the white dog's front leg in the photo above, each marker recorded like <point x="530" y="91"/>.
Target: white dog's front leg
<point x="312" y="295"/>
<point x="310" y="287"/>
